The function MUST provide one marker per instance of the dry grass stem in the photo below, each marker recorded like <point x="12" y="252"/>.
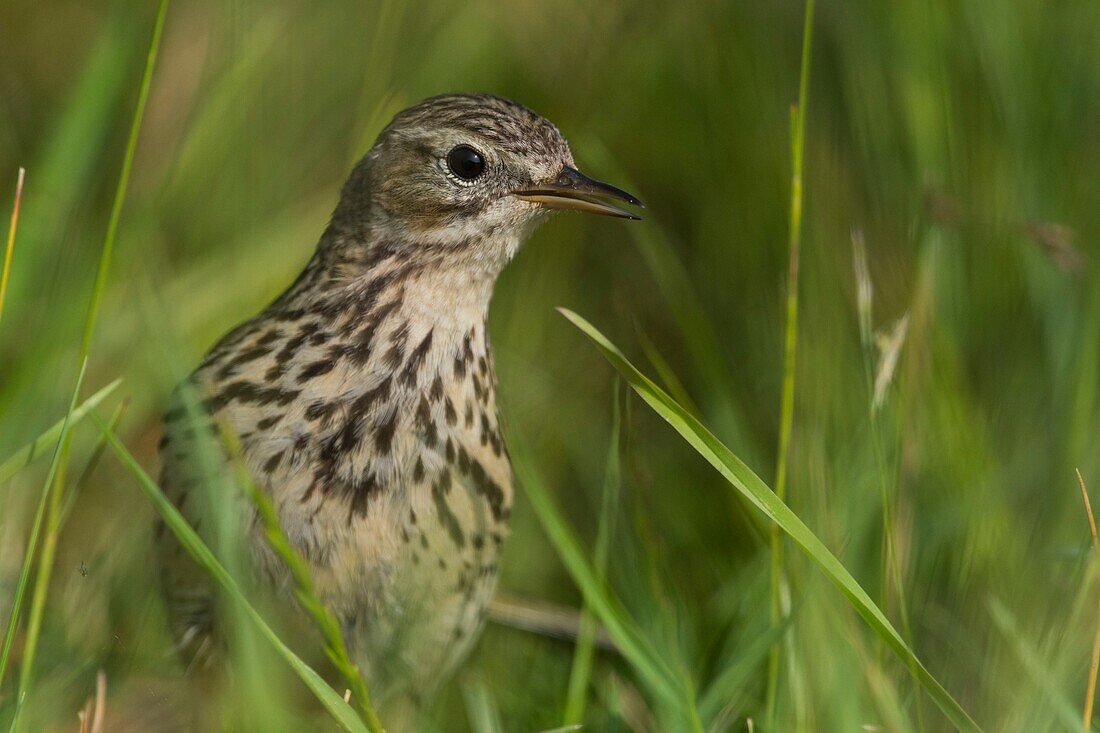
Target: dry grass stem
<point x="10" y="248"/>
<point x="889" y="348"/>
<point x="1094" y="662"/>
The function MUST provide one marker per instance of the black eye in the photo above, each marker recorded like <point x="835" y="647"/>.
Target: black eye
<point x="465" y="162"/>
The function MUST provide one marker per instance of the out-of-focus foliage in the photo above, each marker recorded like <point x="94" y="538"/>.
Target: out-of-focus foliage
<point x="960" y="140"/>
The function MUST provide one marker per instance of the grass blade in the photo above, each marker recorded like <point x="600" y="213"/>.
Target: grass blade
<point x="54" y="491"/>
<point x="763" y="498"/>
<point x="18" y="711"/>
<point x="26" y="455"/>
<point x="36" y="527"/>
<point x="123" y="181"/>
<point x="55" y="517"/>
<point x="5" y="272"/>
<point x="586" y="633"/>
<point x="790" y="350"/>
<point x="663" y="680"/>
<point x="197" y="549"/>
<point x="304" y="591"/>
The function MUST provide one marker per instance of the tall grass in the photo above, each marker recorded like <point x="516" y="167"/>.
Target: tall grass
<point x="745" y="481"/>
<point x="54" y="492"/>
<point x="32" y="540"/>
<point x="790" y="348"/>
<point x="206" y="559"/>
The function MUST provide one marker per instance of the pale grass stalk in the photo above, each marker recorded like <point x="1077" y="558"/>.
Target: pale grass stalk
<point x="100" y="710"/>
<point x="10" y="248"/>
<point x="1094" y="662"/>
<point x="542" y="618"/>
<point x="878" y="380"/>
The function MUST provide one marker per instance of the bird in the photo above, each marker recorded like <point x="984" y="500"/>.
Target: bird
<point x="364" y="396"/>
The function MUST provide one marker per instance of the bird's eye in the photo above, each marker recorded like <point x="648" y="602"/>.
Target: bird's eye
<point x="465" y="162"/>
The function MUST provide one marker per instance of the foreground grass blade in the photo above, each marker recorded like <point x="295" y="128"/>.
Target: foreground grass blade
<point x="193" y="544"/>
<point x="757" y="492"/>
<point x="123" y="181"/>
<point x="321" y="616"/>
<point x="36" y="527"/>
<point x="54" y="491"/>
<point x="55" y="514"/>
<point x="663" y="680"/>
<point x="790" y="350"/>
<point x="18" y="711"/>
<point x="38" y="447"/>
<point x="584" y="651"/>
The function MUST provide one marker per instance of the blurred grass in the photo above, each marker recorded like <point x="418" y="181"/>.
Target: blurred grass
<point x="945" y="133"/>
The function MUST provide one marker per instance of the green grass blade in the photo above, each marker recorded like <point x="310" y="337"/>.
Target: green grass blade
<point x="36" y="527"/>
<point x="197" y="549"/>
<point x="304" y="590"/>
<point x="661" y="678"/>
<point x="790" y="350"/>
<point x="54" y="491"/>
<point x="55" y="516"/>
<point x="123" y="181"/>
<point x="26" y="455"/>
<point x="18" y="711"/>
<point x="763" y="498"/>
<point x="586" y="633"/>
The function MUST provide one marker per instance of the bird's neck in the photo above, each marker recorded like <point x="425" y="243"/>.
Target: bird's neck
<point x="388" y="293"/>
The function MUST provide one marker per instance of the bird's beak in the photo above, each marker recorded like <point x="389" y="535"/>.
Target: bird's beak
<point x="574" y="190"/>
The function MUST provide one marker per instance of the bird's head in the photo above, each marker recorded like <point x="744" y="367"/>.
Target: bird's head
<point x="464" y="171"/>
